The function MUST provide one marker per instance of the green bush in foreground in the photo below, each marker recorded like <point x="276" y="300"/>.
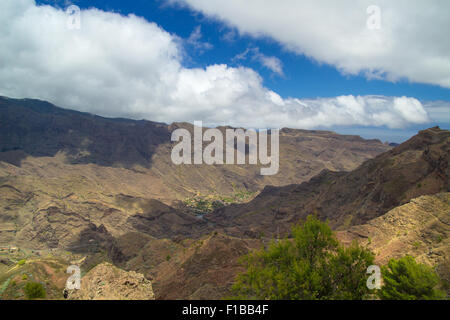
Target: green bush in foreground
<point x="405" y="279"/>
<point x="34" y="290"/>
<point x="21" y="262"/>
<point x="311" y="266"/>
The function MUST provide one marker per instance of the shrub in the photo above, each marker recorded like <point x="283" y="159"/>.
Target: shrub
<point x="21" y="262"/>
<point x="34" y="290"/>
<point x="311" y="266"/>
<point x="405" y="279"/>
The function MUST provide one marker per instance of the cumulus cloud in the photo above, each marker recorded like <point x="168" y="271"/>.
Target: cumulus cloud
<point x="126" y="66"/>
<point x="412" y="41"/>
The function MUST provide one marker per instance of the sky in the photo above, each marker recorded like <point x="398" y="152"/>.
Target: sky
<point x="379" y="72"/>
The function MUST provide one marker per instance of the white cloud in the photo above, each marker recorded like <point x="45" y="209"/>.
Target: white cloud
<point x="270" y="62"/>
<point x="229" y="35"/>
<point x="412" y="42"/>
<point x="126" y="66"/>
<point x="195" y="40"/>
<point x="438" y="110"/>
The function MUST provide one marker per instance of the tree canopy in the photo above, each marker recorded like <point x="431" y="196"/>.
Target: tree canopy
<point x="34" y="290"/>
<point x="312" y="265"/>
<point x="405" y="279"/>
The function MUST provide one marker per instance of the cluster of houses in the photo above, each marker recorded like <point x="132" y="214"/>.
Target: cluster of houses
<point x="9" y="249"/>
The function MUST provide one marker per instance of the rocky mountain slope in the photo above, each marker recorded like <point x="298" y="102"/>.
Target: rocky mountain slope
<point x="420" y="166"/>
<point x="420" y="228"/>
<point x="63" y="172"/>
<point x="206" y="268"/>
<point x="105" y="190"/>
<point x="107" y="282"/>
<point x="33" y="129"/>
<point x="190" y="269"/>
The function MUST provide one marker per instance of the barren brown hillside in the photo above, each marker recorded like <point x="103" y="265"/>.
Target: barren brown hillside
<point x="98" y="189"/>
<point x="420" y="166"/>
<point x="62" y="171"/>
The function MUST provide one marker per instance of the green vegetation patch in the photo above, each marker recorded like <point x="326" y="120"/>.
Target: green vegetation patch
<point x="203" y="204"/>
<point x="313" y="265"/>
<point x="34" y="290"/>
<point x="405" y="279"/>
<point x="5" y="285"/>
<point x="21" y="262"/>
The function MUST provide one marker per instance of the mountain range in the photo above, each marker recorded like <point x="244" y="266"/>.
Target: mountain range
<point x="81" y="186"/>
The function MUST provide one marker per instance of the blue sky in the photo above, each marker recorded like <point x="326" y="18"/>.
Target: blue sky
<point x="303" y="77"/>
<point x="220" y="41"/>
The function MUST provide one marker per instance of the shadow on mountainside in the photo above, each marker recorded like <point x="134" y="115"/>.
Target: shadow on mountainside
<point x="38" y="128"/>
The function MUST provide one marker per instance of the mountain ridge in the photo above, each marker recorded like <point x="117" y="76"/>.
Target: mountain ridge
<point x="134" y="216"/>
<point x="417" y="167"/>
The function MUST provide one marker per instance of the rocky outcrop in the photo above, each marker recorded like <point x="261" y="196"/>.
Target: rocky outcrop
<point x="420" y="228"/>
<point x="204" y="268"/>
<point x="107" y="282"/>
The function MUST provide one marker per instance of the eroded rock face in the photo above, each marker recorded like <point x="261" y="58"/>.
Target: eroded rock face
<point x="202" y="271"/>
<point x="420" y="228"/>
<point x="107" y="282"/>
